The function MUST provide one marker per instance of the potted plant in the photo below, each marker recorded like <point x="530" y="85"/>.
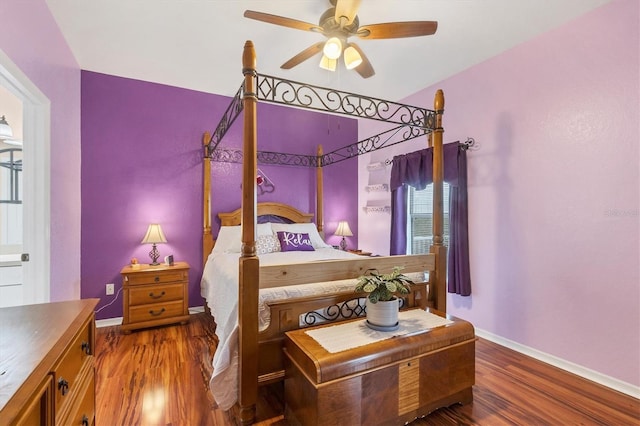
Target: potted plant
<point x="382" y="305"/>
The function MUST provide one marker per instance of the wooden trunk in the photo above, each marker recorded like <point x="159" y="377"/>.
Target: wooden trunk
<point x="388" y="382"/>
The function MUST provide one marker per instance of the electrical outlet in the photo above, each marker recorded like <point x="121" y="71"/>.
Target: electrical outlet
<point x="110" y="289"/>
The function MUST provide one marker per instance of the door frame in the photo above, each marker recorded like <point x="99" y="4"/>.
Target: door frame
<point x="36" y="204"/>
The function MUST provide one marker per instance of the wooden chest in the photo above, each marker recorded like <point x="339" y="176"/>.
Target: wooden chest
<point x="391" y="381"/>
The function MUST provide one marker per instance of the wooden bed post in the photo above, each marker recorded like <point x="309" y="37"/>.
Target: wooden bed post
<point x="207" y="237"/>
<point x="248" y="263"/>
<point x="319" y="194"/>
<point x="438" y="212"/>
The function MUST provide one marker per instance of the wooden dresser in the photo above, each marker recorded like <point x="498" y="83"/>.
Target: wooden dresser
<point x="155" y="295"/>
<point x="47" y="373"/>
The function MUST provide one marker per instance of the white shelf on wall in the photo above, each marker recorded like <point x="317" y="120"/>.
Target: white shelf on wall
<point x="380" y="165"/>
<point x="377" y="209"/>
<point x="380" y="187"/>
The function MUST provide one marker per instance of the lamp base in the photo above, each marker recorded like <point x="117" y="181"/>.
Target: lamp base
<point x="343" y="244"/>
<point x="154" y="254"/>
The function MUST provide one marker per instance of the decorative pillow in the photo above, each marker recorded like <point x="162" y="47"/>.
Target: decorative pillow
<point x="291" y="241"/>
<point x="307" y="228"/>
<point x="267" y="244"/>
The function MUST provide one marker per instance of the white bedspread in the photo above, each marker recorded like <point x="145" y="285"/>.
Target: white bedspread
<point x="219" y="285"/>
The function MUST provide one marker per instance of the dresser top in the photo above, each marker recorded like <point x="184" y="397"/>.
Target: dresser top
<point x="32" y="338"/>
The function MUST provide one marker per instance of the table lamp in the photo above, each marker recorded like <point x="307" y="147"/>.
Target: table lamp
<point x="154" y="236"/>
<point x="343" y="231"/>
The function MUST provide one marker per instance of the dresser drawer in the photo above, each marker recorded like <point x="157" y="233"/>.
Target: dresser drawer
<point x="156" y="311"/>
<point x="166" y="276"/>
<point x="155" y="294"/>
<point x="83" y="411"/>
<point x="65" y="373"/>
<point x="39" y="410"/>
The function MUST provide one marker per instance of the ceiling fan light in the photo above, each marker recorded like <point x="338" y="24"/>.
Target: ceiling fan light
<point x="352" y="58"/>
<point x="328" y="63"/>
<point x="5" y="129"/>
<point x="332" y="48"/>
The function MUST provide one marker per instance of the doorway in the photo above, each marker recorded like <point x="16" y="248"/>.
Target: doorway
<point x="25" y="253"/>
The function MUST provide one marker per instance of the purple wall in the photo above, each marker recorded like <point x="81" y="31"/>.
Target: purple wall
<point x="141" y="163"/>
<point x="554" y="191"/>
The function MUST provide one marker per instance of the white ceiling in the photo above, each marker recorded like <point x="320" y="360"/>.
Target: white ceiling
<point x="197" y="44"/>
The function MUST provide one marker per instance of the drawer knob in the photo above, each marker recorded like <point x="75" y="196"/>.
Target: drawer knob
<point x="157" y="279"/>
<point x="86" y="348"/>
<point x="156" y="296"/>
<point x="85" y="420"/>
<point x="156" y="313"/>
<point x="63" y="386"/>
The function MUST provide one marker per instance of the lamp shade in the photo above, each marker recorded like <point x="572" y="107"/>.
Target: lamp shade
<point x="5" y="129"/>
<point x="343" y="229"/>
<point x="352" y="58"/>
<point x="154" y="235"/>
<point x="328" y="64"/>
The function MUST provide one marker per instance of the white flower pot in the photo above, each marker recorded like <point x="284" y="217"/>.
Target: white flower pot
<point x="383" y="314"/>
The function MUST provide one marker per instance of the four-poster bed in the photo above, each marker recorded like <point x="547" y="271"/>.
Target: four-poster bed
<point x="259" y="351"/>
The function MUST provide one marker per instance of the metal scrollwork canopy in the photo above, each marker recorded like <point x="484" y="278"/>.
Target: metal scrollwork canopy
<point x="410" y="121"/>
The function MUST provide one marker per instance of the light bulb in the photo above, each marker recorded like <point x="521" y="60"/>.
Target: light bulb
<point x="333" y="48"/>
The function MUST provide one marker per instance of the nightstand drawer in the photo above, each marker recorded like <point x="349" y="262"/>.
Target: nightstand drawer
<point x="150" y="277"/>
<point x="155" y="294"/>
<point x="156" y="311"/>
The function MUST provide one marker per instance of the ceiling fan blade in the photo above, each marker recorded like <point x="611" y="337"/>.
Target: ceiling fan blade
<point x="365" y="69"/>
<point x="303" y="56"/>
<point x="397" y="29"/>
<point x="281" y="20"/>
<point x="347" y="9"/>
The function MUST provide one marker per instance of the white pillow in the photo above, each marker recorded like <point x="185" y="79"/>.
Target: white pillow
<point x="230" y="237"/>
<point x="306" y="228"/>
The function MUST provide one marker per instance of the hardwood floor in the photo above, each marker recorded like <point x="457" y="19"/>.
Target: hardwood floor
<point x="160" y="376"/>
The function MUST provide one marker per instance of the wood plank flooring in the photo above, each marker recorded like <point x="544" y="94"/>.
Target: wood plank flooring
<point x="160" y="376"/>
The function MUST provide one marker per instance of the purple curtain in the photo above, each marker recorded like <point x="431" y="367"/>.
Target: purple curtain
<point x="416" y="169"/>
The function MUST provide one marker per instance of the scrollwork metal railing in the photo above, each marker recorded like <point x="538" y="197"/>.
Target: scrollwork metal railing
<point x="233" y="110"/>
<point x="287" y="92"/>
<point x="352" y="308"/>
<point x="411" y="121"/>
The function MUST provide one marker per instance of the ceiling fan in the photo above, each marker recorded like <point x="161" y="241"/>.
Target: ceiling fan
<point x="339" y="23"/>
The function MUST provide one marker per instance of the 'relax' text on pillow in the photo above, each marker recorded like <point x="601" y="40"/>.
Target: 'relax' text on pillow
<point x="292" y="241"/>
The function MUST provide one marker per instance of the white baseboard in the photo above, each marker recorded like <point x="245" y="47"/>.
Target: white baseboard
<point x="576" y="369"/>
<point x="110" y="322"/>
<point x="196" y="309"/>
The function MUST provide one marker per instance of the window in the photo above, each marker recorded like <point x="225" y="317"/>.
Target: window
<point x="420" y="220"/>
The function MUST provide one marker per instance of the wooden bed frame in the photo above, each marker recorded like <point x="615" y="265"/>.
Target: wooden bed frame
<point x="260" y="353"/>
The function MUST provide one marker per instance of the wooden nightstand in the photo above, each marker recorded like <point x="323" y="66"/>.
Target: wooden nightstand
<point x="360" y="252"/>
<point x="155" y="295"/>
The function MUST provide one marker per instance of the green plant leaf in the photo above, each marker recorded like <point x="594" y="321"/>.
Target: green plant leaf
<point x="369" y="287"/>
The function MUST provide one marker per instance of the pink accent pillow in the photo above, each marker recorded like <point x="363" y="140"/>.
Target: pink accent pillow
<point x="291" y="241"/>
